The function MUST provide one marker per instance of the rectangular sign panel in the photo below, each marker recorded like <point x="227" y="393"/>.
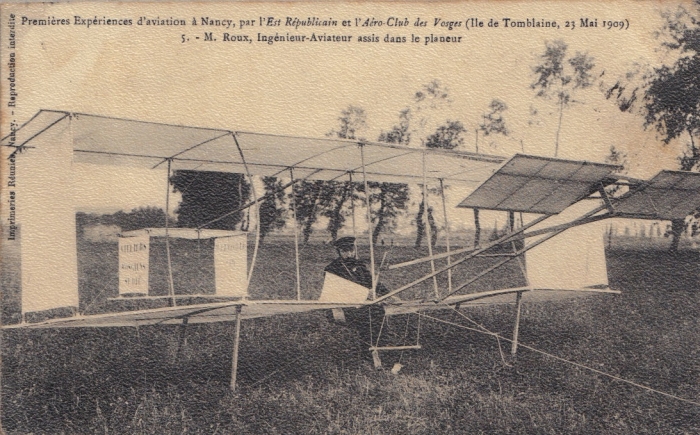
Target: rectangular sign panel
<point x="133" y="265"/>
<point x="231" y="266"/>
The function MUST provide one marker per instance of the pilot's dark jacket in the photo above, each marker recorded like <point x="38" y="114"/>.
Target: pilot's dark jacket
<point x="351" y="269"/>
<point x="356" y="271"/>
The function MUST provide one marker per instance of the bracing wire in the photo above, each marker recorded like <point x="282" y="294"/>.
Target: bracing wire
<point x="257" y="210"/>
<point x="487" y="331"/>
<point x="405" y="334"/>
<point x="558" y="358"/>
<point x="381" y="329"/>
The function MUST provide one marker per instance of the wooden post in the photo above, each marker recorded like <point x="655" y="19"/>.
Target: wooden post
<point x="516" y="328"/>
<point x="447" y="235"/>
<point x="236" y="340"/>
<point x="376" y="360"/>
<point x="182" y="339"/>
<point x="296" y="235"/>
<point x="352" y="209"/>
<point x="428" y="229"/>
<point x="171" y="287"/>
<point x="256" y="202"/>
<point x="369" y="223"/>
<point x="511" y="221"/>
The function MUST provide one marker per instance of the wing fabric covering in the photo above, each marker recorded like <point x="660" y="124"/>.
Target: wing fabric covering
<point x="669" y="195"/>
<point x="337" y="289"/>
<point x="202" y="313"/>
<point x="543" y="185"/>
<point x="574" y="259"/>
<point x="46" y="218"/>
<point x="111" y="141"/>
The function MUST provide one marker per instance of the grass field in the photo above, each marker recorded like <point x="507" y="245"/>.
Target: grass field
<point x="303" y="374"/>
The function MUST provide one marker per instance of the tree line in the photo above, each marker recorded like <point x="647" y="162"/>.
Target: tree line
<point x="666" y="95"/>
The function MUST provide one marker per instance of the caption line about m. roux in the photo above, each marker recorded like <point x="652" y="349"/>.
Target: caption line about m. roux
<point x="272" y="29"/>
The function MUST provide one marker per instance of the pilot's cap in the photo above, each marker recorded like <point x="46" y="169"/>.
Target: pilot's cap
<point x="345" y="243"/>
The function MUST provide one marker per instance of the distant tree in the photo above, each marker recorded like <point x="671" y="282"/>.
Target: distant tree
<point x="399" y="133"/>
<point x="272" y="211"/>
<point x="426" y="112"/>
<point x="668" y="95"/>
<point x="389" y="200"/>
<point x="493" y="121"/>
<point x="352" y="123"/>
<point x="334" y="203"/>
<point x="210" y="195"/>
<point x="307" y="195"/>
<point x="420" y="225"/>
<point x="559" y="77"/>
<point x="83" y="220"/>
<point x="313" y="199"/>
<point x="420" y="120"/>
<point x="616" y="157"/>
<point x="495" y="234"/>
<point x="448" y="136"/>
<point x="142" y="217"/>
<point x="136" y="219"/>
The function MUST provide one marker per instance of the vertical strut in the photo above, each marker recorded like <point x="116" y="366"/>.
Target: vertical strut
<point x="516" y="328"/>
<point x="171" y="285"/>
<point x="369" y="223"/>
<point x="447" y="236"/>
<point x="296" y="235"/>
<point x="519" y="296"/>
<point x="236" y="340"/>
<point x="428" y="229"/>
<point x="257" y="213"/>
<point x="182" y="340"/>
<point x="352" y="208"/>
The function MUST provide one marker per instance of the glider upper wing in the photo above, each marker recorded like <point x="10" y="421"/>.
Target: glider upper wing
<point x="669" y="195"/>
<point x="105" y="140"/>
<point x="543" y="185"/>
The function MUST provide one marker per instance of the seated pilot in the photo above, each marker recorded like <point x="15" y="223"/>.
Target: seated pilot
<point x="348" y="267"/>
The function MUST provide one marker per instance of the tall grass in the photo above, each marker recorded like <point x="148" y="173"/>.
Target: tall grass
<point x="304" y="374"/>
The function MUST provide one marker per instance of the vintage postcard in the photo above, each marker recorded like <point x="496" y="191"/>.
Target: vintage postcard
<point x="350" y="217"/>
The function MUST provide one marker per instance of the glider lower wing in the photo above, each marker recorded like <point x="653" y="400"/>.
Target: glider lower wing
<point x="250" y="309"/>
<point x="493" y="297"/>
<point x="200" y="313"/>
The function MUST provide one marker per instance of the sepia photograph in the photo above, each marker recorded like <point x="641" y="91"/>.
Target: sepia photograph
<point x="350" y="217"/>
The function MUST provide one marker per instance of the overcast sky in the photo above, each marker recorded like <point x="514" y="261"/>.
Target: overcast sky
<point x="147" y="73"/>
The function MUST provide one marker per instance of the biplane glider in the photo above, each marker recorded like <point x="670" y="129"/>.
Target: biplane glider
<point x="558" y="246"/>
